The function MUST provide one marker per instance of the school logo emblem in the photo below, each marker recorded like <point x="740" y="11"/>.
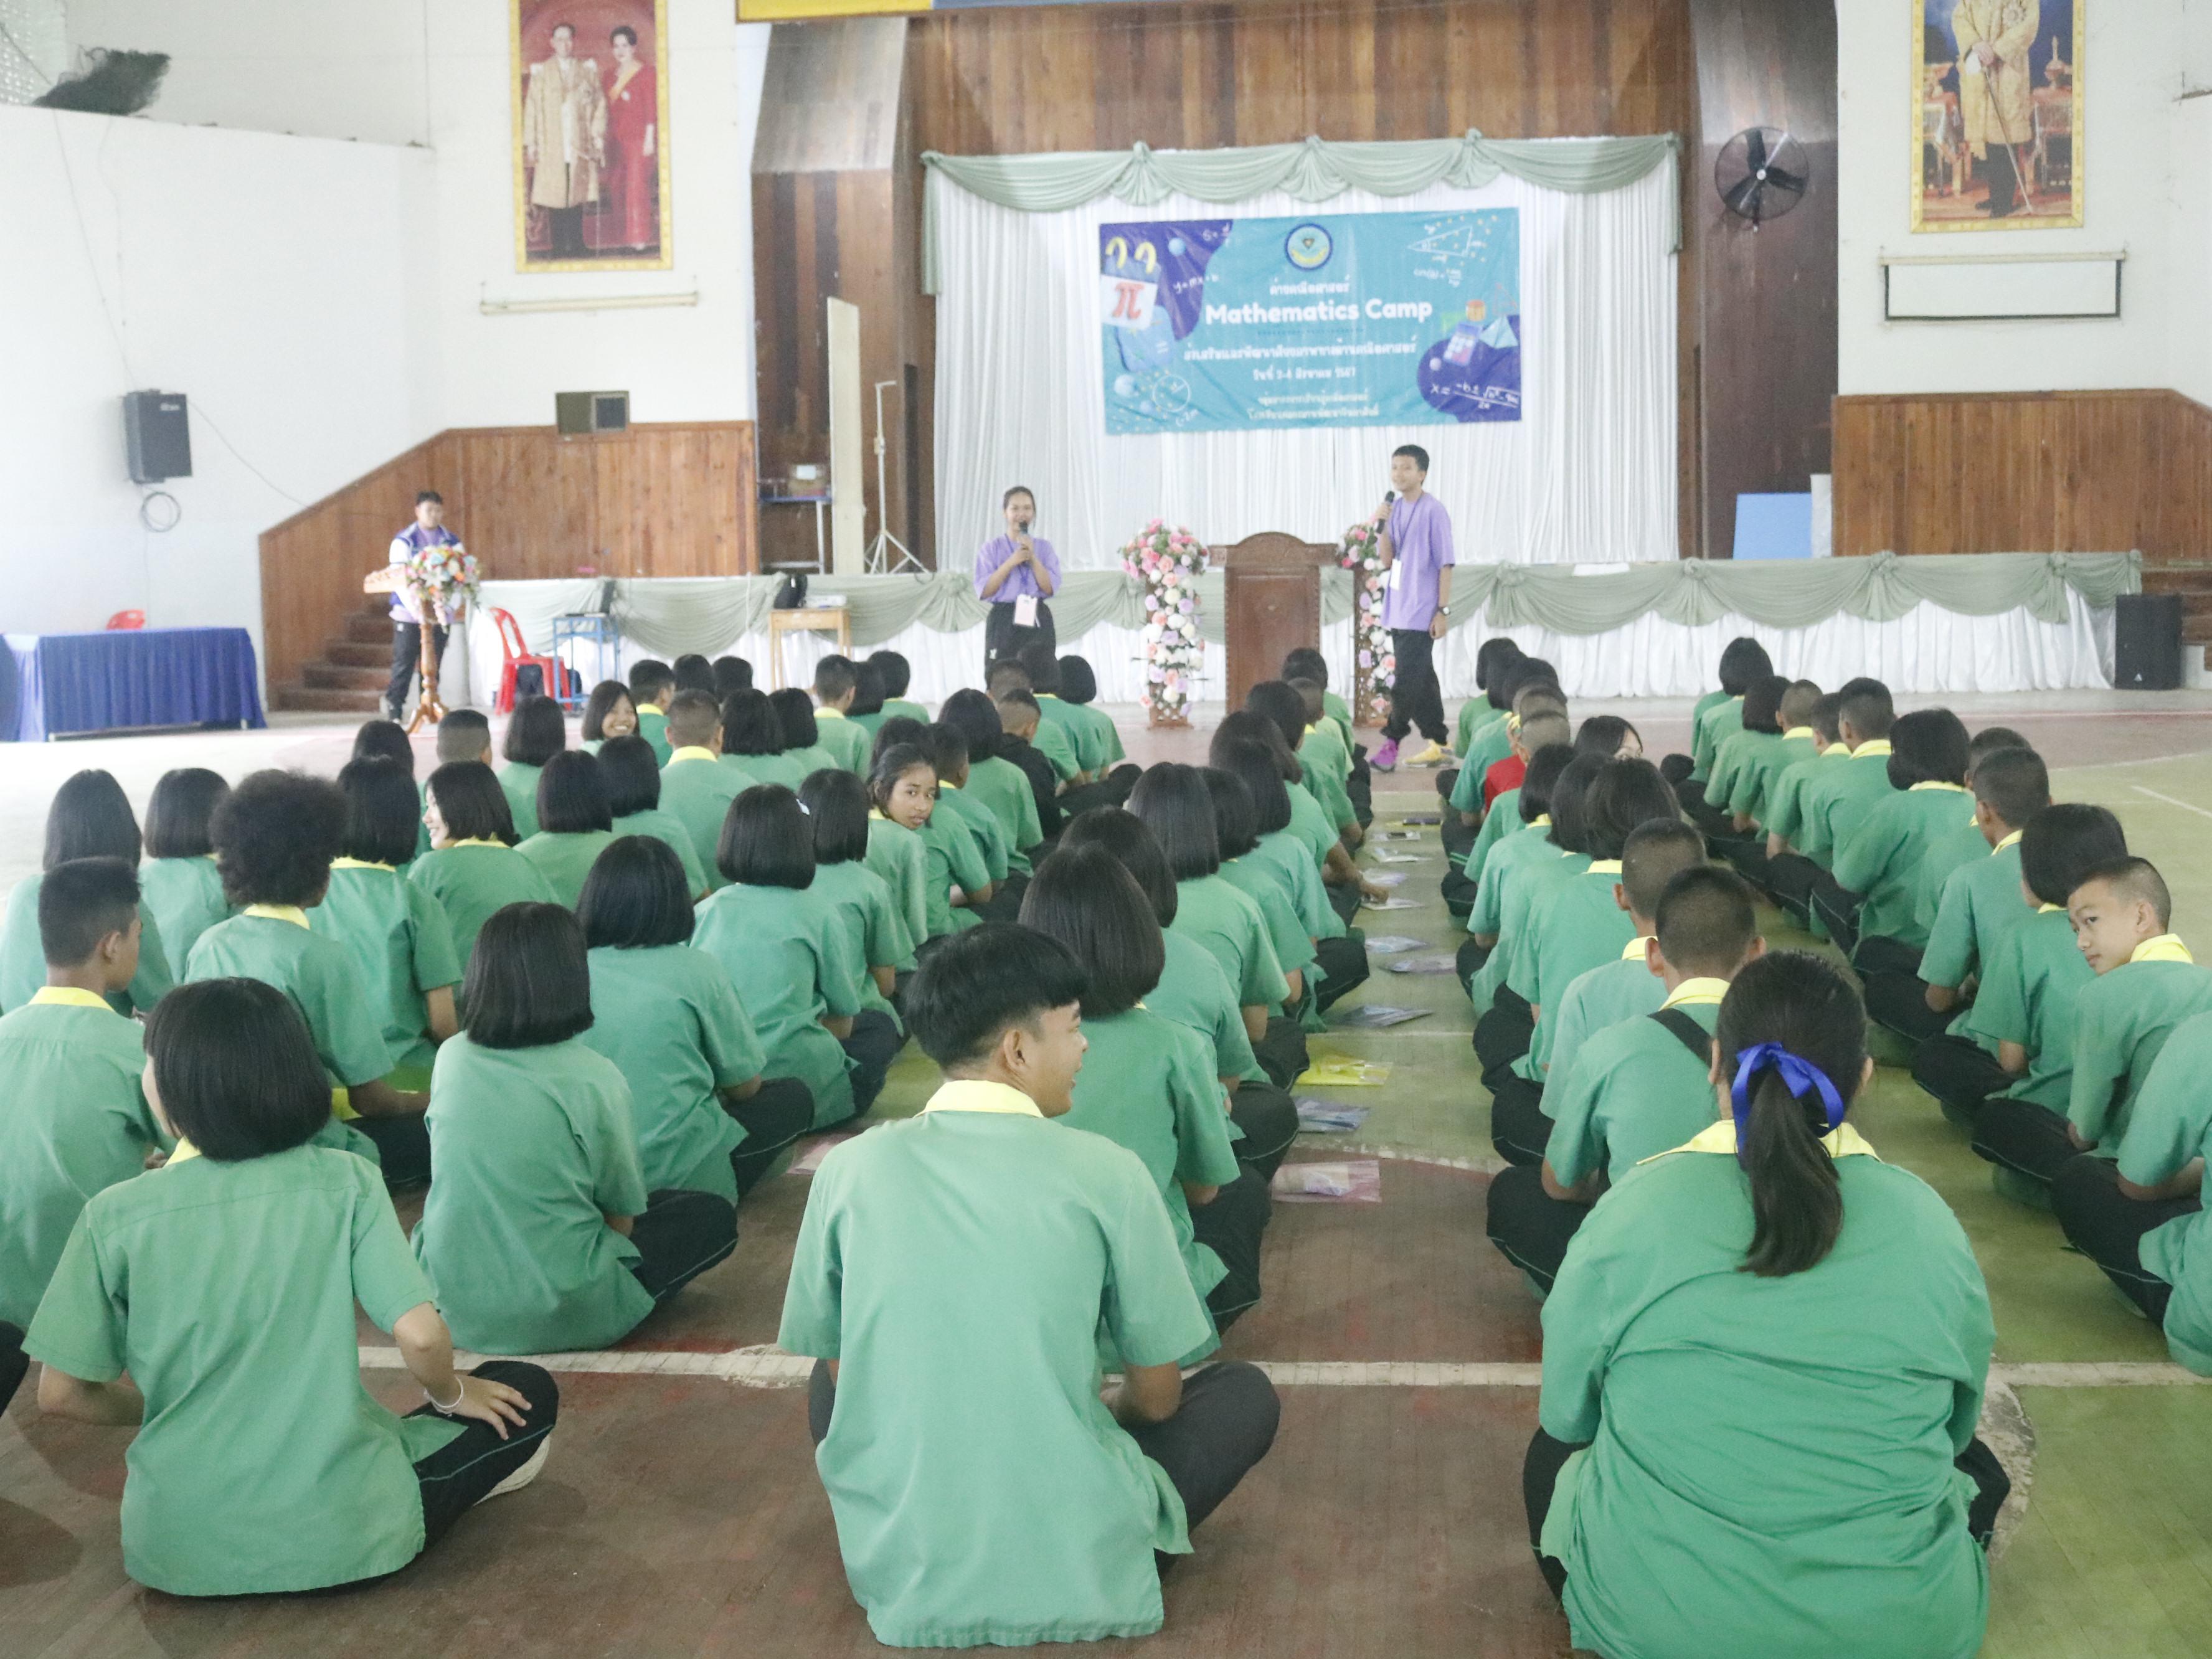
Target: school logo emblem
<point x="1308" y="246"/>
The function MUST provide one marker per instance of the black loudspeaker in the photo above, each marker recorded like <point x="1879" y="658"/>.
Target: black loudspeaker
<point x="157" y="432"/>
<point x="2146" y="642"/>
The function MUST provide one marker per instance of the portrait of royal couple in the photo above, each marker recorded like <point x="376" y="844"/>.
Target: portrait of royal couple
<point x="591" y="139"/>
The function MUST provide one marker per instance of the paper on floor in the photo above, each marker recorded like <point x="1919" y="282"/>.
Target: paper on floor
<point x="1376" y="1016"/>
<point x="1320" y="1117"/>
<point x="1343" y="1071"/>
<point x="1357" y="1181"/>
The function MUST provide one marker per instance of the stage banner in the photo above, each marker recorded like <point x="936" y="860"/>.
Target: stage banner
<point x="1336" y="319"/>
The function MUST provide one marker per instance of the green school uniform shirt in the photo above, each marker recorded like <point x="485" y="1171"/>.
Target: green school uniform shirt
<point x="226" y="1291"/>
<point x="470" y="879"/>
<point x="2172" y="1124"/>
<point x="787" y="953"/>
<point x="1502" y="818"/>
<point x="1706" y="700"/>
<point x="955" y="803"/>
<point x="1057" y="744"/>
<point x="1004" y="789"/>
<point x="1287" y="856"/>
<point x="564" y="858"/>
<point x="75" y="1123"/>
<point x="1979" y="906"/>
<point x="670" y="1020"/>
<point x="1839" y="800"/>
<point x="697" y="790"/>
<point x="787" y="767"/>
<point x="1310" y="826"/>
<point x="1294" y="946"/>
<point x="1096" y="740"/>
<point x="1581" y="926"/>
<point x="1229" y="923"/>
<point x="1147" y="1082"/>
<point x="845" y="743"/>
<point x="1523" y="895"/>
<point x="185" y="896"/>
<point x="401" y="945"/>
<point x="1712" y="728"/>
<point x="961" y="1265"/>
<point x="1623" y="989"/>
<point x="1489" y="746"/>
<point x="1327" y="789"/>
<point x="1770" y="1469"/>
<point x="518" y="782"/>
<point x="534" y="1150"/>
<point x="278" y="945"/>
<point x="1756" y="775"/>
<point x="1337" y="709"/>
<point x="1329" y="750"/>
<point x="1784" y="815"/>
<point x="1880" y="857"/>
<point x="2028" y="994"/>
<point x="1067" y="718"/>
<point x="666" y="828"/>
<point x="899" y="708"/>
<point x="23" y="957"/>
<point x="1194" y="991"/>
<point x="1632" y="1092"/>
<point x="1952" y="848"/>
<point x="1732" y="764"/>
<point x="1475" y="716"/>
<point x="875" y="927"/>
<point x="1528" y="843"/>
<point x="954" y="859"/>
<point x="2121" y="1021"/>
<point x="900" y="856"/>
<point x="653" y="726"/>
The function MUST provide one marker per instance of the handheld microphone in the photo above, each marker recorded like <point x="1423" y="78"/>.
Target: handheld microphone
<point x="1389" y="496"/>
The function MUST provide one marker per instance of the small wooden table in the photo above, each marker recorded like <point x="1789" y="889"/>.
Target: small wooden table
<point x="827" y="618"/>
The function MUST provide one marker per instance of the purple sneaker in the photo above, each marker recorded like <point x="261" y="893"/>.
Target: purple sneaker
<point x="1385" y="759"/>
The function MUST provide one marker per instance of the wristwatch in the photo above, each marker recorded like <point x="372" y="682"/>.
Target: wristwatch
<point x="1443" y="610"/>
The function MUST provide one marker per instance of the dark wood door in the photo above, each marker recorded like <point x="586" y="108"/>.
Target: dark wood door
<point x="1274" y="583"/>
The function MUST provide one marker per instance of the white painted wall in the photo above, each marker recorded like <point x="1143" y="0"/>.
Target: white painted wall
<point x="248" y="271"/>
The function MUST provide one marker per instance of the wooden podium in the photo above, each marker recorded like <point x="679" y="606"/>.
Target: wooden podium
<point x="1273" y="602"/>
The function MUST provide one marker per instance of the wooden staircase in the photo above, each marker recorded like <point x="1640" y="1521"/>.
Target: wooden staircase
<point x="2193" y="582"/>
<point x="349" y="677"/>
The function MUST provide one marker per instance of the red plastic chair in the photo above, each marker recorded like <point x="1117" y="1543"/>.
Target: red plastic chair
<point x="122" y="619"/>
<point x="514" y="651"/>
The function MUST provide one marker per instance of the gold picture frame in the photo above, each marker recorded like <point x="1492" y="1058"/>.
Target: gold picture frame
<point x="2029" y="126"/>
<point x="624" y="197"/>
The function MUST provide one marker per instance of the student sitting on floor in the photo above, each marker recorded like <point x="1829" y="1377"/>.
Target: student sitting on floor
<point x="729" y="675"/>
<point x="994" y="785"/>
<point x="383" y="739"/>
<point x="802" y="748"/>
<point x="395" y="933"/>
<point x="1531" y="689"/>
<point x="1097" y="739"/>
<point x="1530" y="839"/>
<point x="893" y="671"/>
<point x="463" y="735"/>
<point x="1869" y="900"/>
<point x="706" y="1118"/>
<point x="897" y="852"/>
<point x="608" y="712"/>
<point x="540" y="1233"/>
<point x="979" y="1217"/>
<point x="225" y="1285"/>
<point x="1055" y="743"/>
<point x="992" y="887"/>
<point x="574" y="824"/>
<point x="836" y="804"/>
<point x="1978" y="905"/>
<point x="1782" y="816"/>
<point x="1521" y="885"/>
<point x="1340" y="952"/>
<point x="1477" y="714"/>
<point x="1321" y="743"/>
<point x="536" y="733"/>
<point x="275" y="835"/>
<point x="1641" y="1086"/>
<point x="1751" y="796"/>
<point x="631" y="778"/>
<point x="1281" y="702"/>
<point x="1834" y="801"/>
<point x="903" y="788"/>
<point x="178" y="879"/>
<point x="77" y="1122"/>
<point x="1762" y="733"/>
<point x="1490" y="741"/>
<point x="90" y="819"/>
<point x="1463" y="885"/>
<point x="753" y="743"/>
<point x="695" y="672"/>
<point x="1819" y="1314"/>
<point x="1341" y="879"/>
<point x="787" y="950"/>
<point x="2012" y="1054"/>
<point x="1716" y="717"/>
<point x="472" y="868"/>
<point x="1234" y="825"/>
<point x="836" y="680"/>
<point x="1194" y="991"/>
<point x="1102" y="776"/>
<point x="1019" y="716"/>
<point x="1535" y="703"/>
<point x="1963" y="843"/>
<point x="652" y="690"/>
<point x="1304" y="663"/>
<point x="1147" y="1081"/>
<point x="696" y="786"/>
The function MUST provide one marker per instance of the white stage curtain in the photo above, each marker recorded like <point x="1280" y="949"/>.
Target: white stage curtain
<point x="1587" y="474"/>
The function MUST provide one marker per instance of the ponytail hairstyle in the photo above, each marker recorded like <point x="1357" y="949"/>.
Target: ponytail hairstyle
<point x="1792" y="1042"/>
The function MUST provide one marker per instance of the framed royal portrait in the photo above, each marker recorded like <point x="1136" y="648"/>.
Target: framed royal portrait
<point x="590" y="83"/>
<point x="1997" y="114"/>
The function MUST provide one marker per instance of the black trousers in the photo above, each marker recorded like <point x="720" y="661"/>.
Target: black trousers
<point x="1518" y="1128"/>
<point x="1530" y="1228"/>
<point x="1269" y="1118"/>
<point x="1838" y="911"/>
<point x="1540" y="1478"/>
<point x="1459" y="893"/>
<point x="1899" y="1001"/>
<point x="1790" y="879"/>
<point x="14" y="1362"/>
<point x="2018" y="1135"/>
<point x="874" y="1045"/>
<point x="1748" y="855"/>
<point x="1219" y="1433"/>
<point x="403" y="1149"/>
<point x="2107" y="1226"/>
<point x="1469" y="959"/>
<point x="679" y="1236"/>
<point x="1344" y="968"/>
<point x="1958" y="1072"/>
<point x="1360" y="786"/>
<point x="461" y="1474"/>
<point x="1676" y="769"/>
<point x="1416" y="698"/>
<point x="407" y="661"/>
<point x="1282" y="1052"/>
<point x="1004" y="637"/>
<point x="1457" y="834"/>
<point x="781" y="1112"/>
<point x="1502" y="1037"/>
<point x="1231" y="1226"/>
<point x="1345" y="901"/>
<point x="1006" y="903"/>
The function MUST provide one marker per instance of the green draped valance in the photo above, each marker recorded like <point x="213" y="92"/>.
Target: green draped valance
<point x="1312" y="171"/>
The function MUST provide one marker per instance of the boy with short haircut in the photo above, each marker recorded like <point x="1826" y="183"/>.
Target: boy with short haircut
<point x="1783" y="815"/>
<point x="465" y="735"/>
<point x="1629" y="987"/>
<point x="896" y="673"/>
<point x="1545" y="728"/>
<point x="1019" y="716"/>
<point x="1525" y="683"/>
<point x="1755" y="774"/>
<point x="1963" y="843"/>
<point x="1835" y="798"/>
<point x="696" y="787"/>
<point x="1307" y="664"/>
<point x="1639" y="1087"/>
<point x="1009" y="674"/>
<point x="1870" y="900"/>
<point x="960" y="1261"/>
<point x="1531" y="841"/>
<point x="835" y="682"/>
<point x="1761" y="730"/>
<point x="652" y="688"/>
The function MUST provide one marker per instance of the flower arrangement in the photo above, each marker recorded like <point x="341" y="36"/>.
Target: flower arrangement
<point x="1168" y="560"/>
<point x="1376" y="665"/>
<point x="439" y="580"/>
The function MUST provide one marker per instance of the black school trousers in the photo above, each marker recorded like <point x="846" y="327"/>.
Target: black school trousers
<point x="1790" y="880"/>
<point x="1502" y="1035"/>
<point x="403" y="1149"/>
<point x="1530" y="1228"/>
<point x="1344" y="967"/>
<point x="1416" y="698"/>
<point x="2029" y="1140"/>
<point x="874" y="1045"/>
<point x="1518" y="1128"/>
<point x="1838" y="910"/>
<point x="2107" y="1226"/>
<point x="1282" y="1052"/>
<point x="1223" y="1428"/>
<point x="1960" y="1072"/>
<point x="679" y="1236"/>
<point x="1269" y="1120"/>
<point x="1899" y="1001"/>
<point x="781" y="1111"/>
<point x="1232" y="1227"/>
<point x="1344" y="899"/>
<point x="14" y="1362"/>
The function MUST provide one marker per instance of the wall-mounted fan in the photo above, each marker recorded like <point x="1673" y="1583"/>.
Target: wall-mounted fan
<point x="1761" y="174"/>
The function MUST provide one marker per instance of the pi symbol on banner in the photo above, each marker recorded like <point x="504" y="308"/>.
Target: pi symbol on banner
<point x="1128" y="302"/>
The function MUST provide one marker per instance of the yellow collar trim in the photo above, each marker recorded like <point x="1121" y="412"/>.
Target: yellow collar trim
<point x="1835" y="749"/>
<point x="942" y="786"/>
<point x="1542" y="821"/>
<point x="1603" y="867"/>
<point x="823" y="712"/>
<point x="1696" y="994"/>
<point x="1846" y="1142"/>
<point x="1512" y="722"/>
<point x="70" y="996"/>
<point x="473" y="841"/>
<point x="1634" y="950"/>
<point x="291" y="912"/>
<point x="1871" y="746"/>
<point x="185" y="1153"/>
<point x="2051" y="910"/>
<point x="1054" y="696"/>
<point x="979" y="1095"/>
<point x="358" y="864"/>
<point x="2166" y="947"/>
<point x="2012" y="840"/>
<point x="692" y="751"/>
<point x="1937" y="783"/>
<point x="1801" y="731"/>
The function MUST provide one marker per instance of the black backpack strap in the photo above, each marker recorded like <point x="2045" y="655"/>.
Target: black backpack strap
<point x="1692" y="1036"/>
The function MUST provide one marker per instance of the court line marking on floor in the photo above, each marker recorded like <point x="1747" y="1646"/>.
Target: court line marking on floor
<point x="2185" y="806"/>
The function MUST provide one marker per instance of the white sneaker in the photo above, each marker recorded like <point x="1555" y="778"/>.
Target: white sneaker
<point x="523" y="1476"/>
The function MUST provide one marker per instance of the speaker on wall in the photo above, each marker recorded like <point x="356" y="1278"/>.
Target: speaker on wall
<point x="2146" y="642"/>
<point x="579" y="414"/>
<point x="158" y="436"/>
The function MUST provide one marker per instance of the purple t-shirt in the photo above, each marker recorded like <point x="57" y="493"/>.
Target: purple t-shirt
<point x="1420" y="531"/>
<point x="997" y="551"/>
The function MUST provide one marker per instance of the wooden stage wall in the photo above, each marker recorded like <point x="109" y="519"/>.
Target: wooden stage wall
<point x="662" y="500"/>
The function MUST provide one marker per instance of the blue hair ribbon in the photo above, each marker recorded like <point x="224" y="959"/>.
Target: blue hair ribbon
<point x="1801" y="1077"/>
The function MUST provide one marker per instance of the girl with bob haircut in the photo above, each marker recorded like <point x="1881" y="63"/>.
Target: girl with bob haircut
<point x="802" y="751"/>
<point x="731" y="674"/>
<point x="395" y="933"/>
<point x="1147" y="1082"/>
<point x="609" y="711"/>
<point x="667" y="1016"/>
<point x="381" y="739"/>
<point x="902" y="791"/>
<point x="1717" y="717"/>
<point x="787" y="952"/>
<point x="178" y="881"/>
<point x="994" y="784"/>
<point x="536" y="733"/>
<point x="752" y="740"/>
<point x="897" y="675"/>
<point x="262" y="1465"/>
<point x="903" y="785"/>
<point x="472" y="868"/>
<point x="836" y="806"/>
<point x="1308" y="823"/>
<point x="1821" y="1313"/>
<point x="1340" y="952"/>
<point x="630" y="773"/>
<point x="574" y="824"/>
<point x="1236" y="836"/>
<point x="90" y="819"/>
<point x="540" y="1234"/>
<point x="966" y="832"/>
